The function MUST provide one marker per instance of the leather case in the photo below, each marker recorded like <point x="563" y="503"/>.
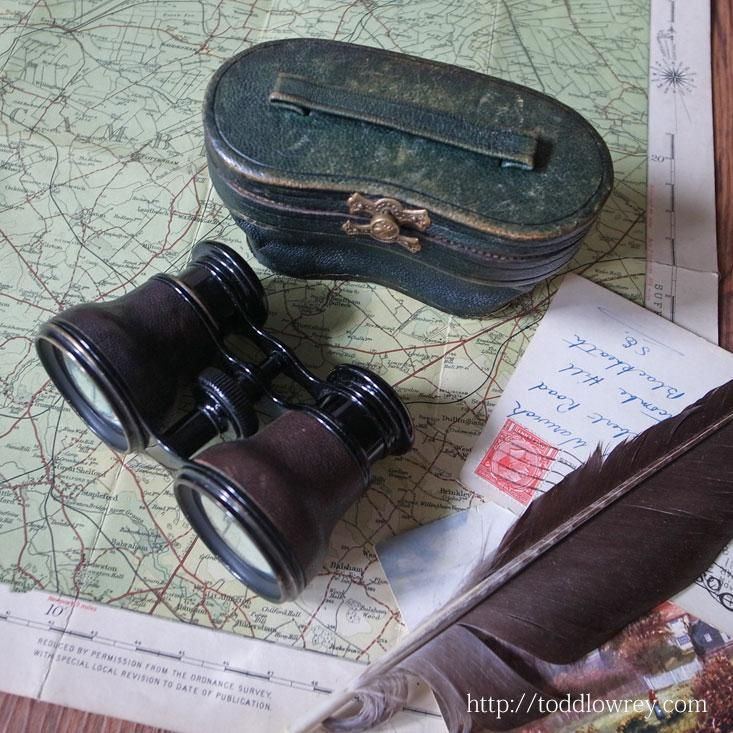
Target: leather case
<point x="342" y="161"/>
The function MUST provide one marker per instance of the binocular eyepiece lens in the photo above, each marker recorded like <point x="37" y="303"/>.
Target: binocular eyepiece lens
<point x="157" y="370"/>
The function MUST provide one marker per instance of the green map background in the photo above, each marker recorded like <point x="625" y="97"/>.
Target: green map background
<point x="104" y="183"/>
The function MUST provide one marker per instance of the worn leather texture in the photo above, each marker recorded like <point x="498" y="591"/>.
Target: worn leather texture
<point x="511" y="179"/>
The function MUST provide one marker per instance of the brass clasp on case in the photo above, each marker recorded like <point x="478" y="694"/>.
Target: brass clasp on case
<point x="388" y="215"/>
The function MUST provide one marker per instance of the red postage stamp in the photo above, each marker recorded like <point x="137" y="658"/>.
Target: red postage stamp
<point x="517" y="461"/>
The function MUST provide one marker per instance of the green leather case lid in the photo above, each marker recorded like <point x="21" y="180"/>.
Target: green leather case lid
<point x="312" y="116"/>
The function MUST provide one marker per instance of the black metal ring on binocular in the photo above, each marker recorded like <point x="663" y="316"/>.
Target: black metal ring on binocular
<point x="155" y="370"/>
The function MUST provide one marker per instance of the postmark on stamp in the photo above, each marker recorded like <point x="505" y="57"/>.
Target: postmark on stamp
<point x="517" y="462"/>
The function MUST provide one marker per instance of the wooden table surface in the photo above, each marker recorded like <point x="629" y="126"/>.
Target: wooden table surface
<point x="723" y="105"/>
<point x="22" y="715"/>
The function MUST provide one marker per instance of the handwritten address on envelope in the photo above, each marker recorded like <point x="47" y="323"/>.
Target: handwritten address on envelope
<point x="599" y="370"/>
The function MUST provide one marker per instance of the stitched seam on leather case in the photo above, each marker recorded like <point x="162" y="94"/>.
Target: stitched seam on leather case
<point x="494" y="258"/>
<point x="282" y="183"/>
<point x="451" y="244"/>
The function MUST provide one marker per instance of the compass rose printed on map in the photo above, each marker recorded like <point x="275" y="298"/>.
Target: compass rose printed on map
<point x="673" y="77"/>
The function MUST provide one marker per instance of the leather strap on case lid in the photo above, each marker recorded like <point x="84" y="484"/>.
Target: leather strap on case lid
<point x="515" y="149"/>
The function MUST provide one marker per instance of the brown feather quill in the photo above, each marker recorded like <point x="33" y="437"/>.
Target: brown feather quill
<point x="613" y="539"/>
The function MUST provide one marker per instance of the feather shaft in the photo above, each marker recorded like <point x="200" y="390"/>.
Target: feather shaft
<point x="336" y="703"/>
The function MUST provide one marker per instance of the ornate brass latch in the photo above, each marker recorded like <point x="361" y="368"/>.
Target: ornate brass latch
<point x="388" y="215"/>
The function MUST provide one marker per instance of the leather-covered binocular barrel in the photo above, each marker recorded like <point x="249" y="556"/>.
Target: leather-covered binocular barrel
<point x="157" y="370"/>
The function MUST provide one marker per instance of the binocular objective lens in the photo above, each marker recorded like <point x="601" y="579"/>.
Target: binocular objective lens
<point x="226" y="526"/>
<point x="88" y="390"/>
